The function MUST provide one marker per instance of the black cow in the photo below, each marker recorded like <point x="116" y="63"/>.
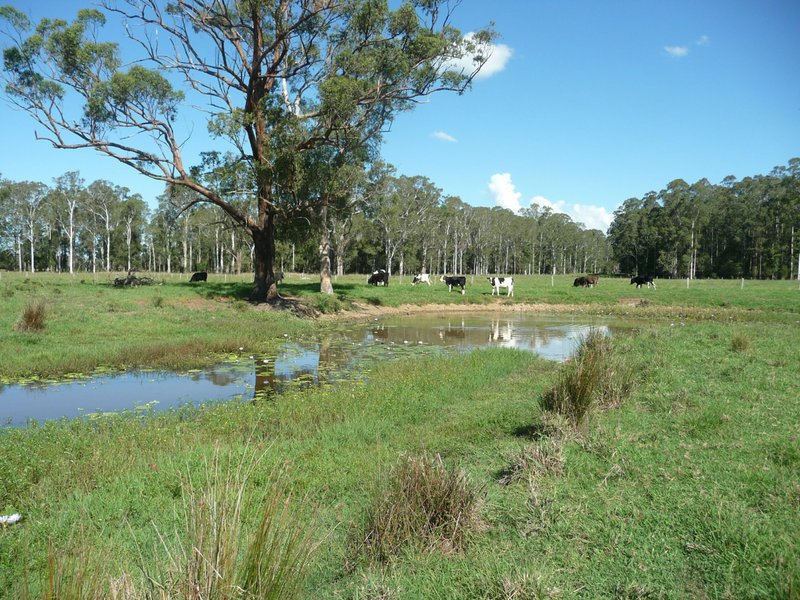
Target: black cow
<point x="580" y="282"/>
<point x="379" y="276"/>
<point x="201" y="276"/>
<point x="641" y="280"/>
<point x="458" y="280"/>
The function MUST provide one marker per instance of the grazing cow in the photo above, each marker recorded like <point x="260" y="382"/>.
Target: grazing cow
<point x="502" y="282"/>
<point x="592" y="280"/>
<point x="201" y="276"/>
<point x="641" y="280"/>
<point x="580" y="282"/>
<point x="458" y="280"/>
<point x="379" y="276"/>
<point x="421" y="278"/>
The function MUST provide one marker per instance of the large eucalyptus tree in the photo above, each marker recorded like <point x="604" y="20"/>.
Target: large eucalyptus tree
<point x="274" y="79"/>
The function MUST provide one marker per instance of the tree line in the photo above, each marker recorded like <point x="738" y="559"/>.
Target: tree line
<point x="748" y="228"/>
<point x="395" y="222"/>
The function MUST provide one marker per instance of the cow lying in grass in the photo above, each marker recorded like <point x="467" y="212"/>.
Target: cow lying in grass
<point x="421" y="278"/>
<point x="641" y="280"/>
<point x="458" y="280"/>
<point x="502" y="282"/>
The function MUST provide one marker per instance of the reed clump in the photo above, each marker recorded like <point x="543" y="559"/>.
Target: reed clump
<point x="33" y="317"/>
<point x="594" y="376"/>
<point x="425" y="505"/>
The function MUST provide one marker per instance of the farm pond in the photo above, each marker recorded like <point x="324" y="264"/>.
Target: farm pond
<point x="348" y="351"/>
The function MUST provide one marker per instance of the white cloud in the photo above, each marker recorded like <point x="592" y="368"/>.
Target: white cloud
<point x="499" y="55"/>
<point x="703" y="40"/>
<point x="676" y="51"/>
<point x="592" y="217"/>
<point x="445" y="137"/>
<point x="504" y="193"/>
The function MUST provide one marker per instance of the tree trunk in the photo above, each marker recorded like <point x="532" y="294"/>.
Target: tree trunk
<point x="264" y="286"/>
<point x="325" y="285"/>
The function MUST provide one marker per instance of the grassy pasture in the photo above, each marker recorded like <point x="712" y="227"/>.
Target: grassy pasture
<point x="690" y="488"/>
<point x="89" y="324"/>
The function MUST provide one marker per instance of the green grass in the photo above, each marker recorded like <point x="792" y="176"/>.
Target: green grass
<point x="174" y="324"/>
<point x="688" y="488"/>
<point x="684" y="483"/>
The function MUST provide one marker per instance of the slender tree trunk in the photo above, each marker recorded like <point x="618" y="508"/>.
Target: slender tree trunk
<point x="33" y="268"/>
<point x="325" y="285"/>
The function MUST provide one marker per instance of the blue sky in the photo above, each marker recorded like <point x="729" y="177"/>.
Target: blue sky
<point x="588" y="103"/>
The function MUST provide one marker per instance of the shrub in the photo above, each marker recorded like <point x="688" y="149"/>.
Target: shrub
<point x="424" y="506"/>
<point x="32" y="318"/>
<point x="326" y="303"/>
<point x="157" y="301"/>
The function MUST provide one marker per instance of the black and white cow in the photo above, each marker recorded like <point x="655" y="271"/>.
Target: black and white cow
<point x="421" y="278"/>
<point x="641" y="280"/>
<point x="379" y="276"/>
<point x="502" y="282"/>
<point x="458" y="280"/>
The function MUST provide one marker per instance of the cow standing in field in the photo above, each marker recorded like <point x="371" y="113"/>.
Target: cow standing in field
<point x="458" y="280"/>
<point x="201" y="276"/>
<point x="641" y="280"/>
<point x="592" y="280"/>
<point x="379" y="276"/>
<point x="421" y="278"/>
<point x="502" y="282"/>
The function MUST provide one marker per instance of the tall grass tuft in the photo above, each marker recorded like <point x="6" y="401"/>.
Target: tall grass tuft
<point x="32" y="318"/>
<point x="740" y="342"/>
<point x="70" y="575"/>
<point x="424" y="505"/>
<point x="216" y="557"/>
<point x="583" y="380"/>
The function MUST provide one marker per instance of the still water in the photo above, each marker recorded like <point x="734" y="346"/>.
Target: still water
<point x="349" y="352"/>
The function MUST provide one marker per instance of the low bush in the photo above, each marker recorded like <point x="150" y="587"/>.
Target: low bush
<point x="425" y="506"/>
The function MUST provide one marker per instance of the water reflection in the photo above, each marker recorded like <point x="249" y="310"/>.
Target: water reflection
<point x="348" y="352"/>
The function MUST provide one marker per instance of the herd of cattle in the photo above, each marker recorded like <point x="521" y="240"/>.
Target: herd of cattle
<point x="460" y="281"/>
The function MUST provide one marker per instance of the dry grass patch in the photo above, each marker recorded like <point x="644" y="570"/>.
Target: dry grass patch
<point x="423" y="505"/>
<point x="33" y="317"/>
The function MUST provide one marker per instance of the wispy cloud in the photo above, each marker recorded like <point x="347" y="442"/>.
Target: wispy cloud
<point x="445" y="137"/>
<point x="499" y="55"/>
<point x="676" y="51"/>
<point x="505" y="195"/>
<point x="703" y="40"/>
